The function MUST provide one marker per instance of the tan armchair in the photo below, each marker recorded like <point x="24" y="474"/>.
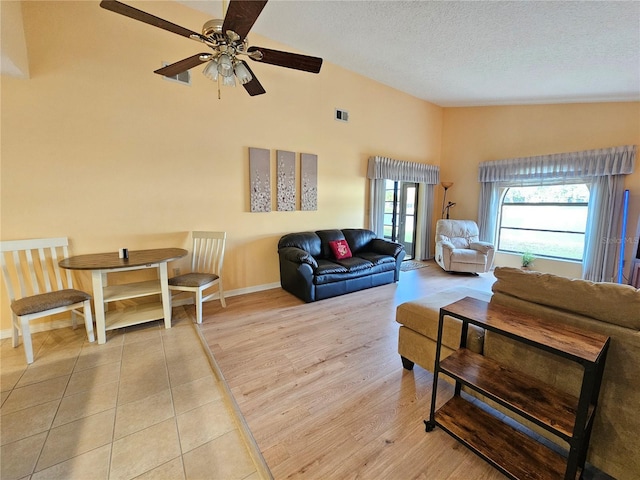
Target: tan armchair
<point x="459" y="249"/>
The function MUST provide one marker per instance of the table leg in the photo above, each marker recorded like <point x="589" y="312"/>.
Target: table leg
<point x="98" y="301"/>
<point x="166" y="294"/>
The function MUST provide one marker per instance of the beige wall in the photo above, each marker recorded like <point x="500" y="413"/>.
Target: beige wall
<point x="98" y="148"/>
<point x="474" y="135"/>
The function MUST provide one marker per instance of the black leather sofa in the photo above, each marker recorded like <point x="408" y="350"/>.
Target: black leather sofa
<point x="309" y="269"/>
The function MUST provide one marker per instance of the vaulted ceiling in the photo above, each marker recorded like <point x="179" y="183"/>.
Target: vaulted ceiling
<point x="451" y="53"/>
<point x="464" y="53"/>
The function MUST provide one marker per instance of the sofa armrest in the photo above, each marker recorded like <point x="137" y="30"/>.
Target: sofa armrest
<point x="446" y="244"/>
<point x="483" y="247"/>
<point x="444" y="251"/>
<point x="385" y="247"/>
<point x="297" y="255"/>
<point x="297" y="267"/>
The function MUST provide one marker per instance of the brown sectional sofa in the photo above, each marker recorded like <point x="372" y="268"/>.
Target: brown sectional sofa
<point x="607" y="308"/>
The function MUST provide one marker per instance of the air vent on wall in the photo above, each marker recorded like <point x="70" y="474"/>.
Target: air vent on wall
<point x="342" y="115"/>
<point x="183" y="77"/>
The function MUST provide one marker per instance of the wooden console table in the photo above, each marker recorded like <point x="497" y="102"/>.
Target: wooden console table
<point x="515" y="454"/>
<point x="102" y="263"/>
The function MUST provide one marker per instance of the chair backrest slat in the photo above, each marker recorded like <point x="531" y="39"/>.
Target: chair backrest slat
<point x="55" y="268"/>
<point x="6" y="275"/>
<point x="44" y="269"/>
<point x="218" y="256"/>
<point x="204" y="257"/>
<point x="65" y="254"/>
<point x="33" y="282"/>
<point x="197" y="255"/>
<point x="20" y="273"/>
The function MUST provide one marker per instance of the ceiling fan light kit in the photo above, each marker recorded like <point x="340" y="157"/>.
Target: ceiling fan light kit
<point x="228" y="40"/>
<point x="242" y="73"/>
<point x="211" y="70"/>
<point x="229" y="81"/>
<point x="225" y="65"/>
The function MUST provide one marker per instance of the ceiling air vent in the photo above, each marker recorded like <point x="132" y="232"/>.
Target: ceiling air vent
<point x="184" y="77"/>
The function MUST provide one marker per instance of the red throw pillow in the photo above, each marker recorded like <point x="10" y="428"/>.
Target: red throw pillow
<point x="340" y="249"/>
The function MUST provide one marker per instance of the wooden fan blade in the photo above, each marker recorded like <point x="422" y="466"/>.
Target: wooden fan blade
<point x="287" y="59"/>
<point x="183" y="65"/>
<point x="241" y="15"/>
<point x="253" y="87"/>
<point x="145" y="17"/>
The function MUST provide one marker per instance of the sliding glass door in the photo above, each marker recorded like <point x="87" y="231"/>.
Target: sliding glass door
<point x="400" y="214"/>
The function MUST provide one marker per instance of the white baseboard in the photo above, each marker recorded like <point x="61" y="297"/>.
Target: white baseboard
<point x="52" y="325"/>
<point x="256" y="288"/>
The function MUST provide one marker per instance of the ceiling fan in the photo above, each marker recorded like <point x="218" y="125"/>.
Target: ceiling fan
<point x="228" y="40"/>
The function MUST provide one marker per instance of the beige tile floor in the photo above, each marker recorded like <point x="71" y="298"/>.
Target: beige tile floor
<point x="148" y="404"/>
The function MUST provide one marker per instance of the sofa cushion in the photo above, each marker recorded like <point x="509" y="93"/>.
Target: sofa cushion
<point x="328" y="267"/>
<point x="466" y="255"/>
<point x="422" y="316"/>
<point x="358" y="238"/>
<point x="340" y="249"/>
<point x="593" y="300"/>
<point x="347" y="269"/>
<point x="307" y="241"/>
<point x="355" y="264"/>
<point x="327" y="236"/>
<point x="377" y="258"/>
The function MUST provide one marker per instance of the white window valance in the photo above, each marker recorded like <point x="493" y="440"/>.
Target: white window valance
<point x="561" y="166"/>
<point x="401" y="171"/>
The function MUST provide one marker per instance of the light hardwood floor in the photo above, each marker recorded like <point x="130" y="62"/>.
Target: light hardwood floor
<point x="322" y="387"/>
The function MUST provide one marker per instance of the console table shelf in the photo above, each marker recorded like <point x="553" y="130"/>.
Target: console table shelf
<point x="550" y="408"/>
<point x="510" y="451"/>
<point x="566" y="416"/>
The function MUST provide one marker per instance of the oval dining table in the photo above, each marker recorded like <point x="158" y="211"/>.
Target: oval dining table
<point x="100" y="264"/>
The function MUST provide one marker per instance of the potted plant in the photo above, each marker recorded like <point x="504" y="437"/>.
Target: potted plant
<point x="527" y="260"/>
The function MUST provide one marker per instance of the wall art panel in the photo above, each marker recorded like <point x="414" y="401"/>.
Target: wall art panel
<point x="309" y="181"/>
<point x="286" y="171"/>
<point x="260" y="178"/>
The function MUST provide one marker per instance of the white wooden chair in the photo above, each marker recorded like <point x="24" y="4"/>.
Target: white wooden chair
<point x="206" y="269"/>
<point x="44" y="289"/>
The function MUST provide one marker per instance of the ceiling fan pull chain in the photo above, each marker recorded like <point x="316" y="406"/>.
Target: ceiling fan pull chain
<point x="219" y="86"/>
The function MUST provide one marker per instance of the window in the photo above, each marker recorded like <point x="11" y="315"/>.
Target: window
<point x="547" y="221"/>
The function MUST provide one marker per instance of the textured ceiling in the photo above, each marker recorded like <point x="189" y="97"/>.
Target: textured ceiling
<point x="467" y="53"/>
